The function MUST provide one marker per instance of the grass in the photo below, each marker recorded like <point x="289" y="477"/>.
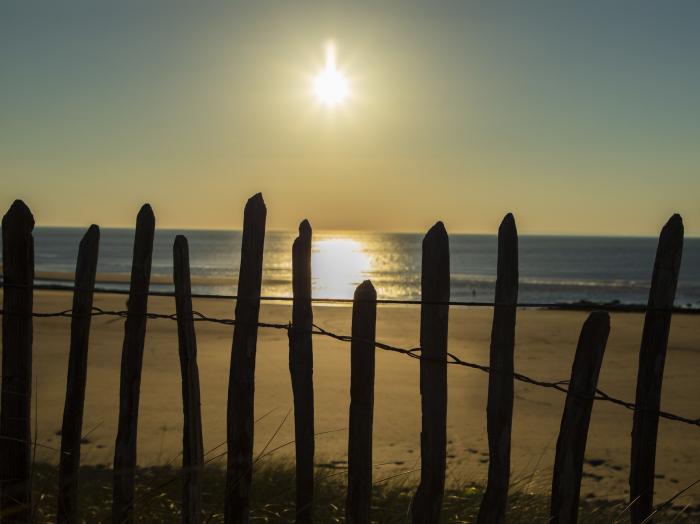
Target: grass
<point x="158" y="492"/>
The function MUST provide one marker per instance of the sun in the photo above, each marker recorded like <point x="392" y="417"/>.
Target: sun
<point x="330" y="86"/>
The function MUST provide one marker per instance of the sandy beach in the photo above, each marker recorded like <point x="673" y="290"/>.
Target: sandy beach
<point x="546" y="342"/>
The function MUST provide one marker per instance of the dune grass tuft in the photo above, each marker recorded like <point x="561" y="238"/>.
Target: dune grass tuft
<point x="158" y="492"/>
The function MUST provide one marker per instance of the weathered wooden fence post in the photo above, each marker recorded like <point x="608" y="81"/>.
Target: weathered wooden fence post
<point x="241" y="387"/>
<point x="652" y="355"/>
<point x="364" y="321"/>
<point x="132" y="360"/>
<point x="571" y="444"/>
<point x="435" y="290"/>
<point x="15" y="404"/>
<point x="71" y="430"/>
<point x="499" y="410"/>
<point x="192" y="445"/>
<point x="301" y="368"/>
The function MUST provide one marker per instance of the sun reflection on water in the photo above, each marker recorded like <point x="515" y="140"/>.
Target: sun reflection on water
<point x="338" y="265"/>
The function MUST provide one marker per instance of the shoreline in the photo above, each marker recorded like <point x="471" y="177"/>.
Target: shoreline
<point x="63" y="282"/>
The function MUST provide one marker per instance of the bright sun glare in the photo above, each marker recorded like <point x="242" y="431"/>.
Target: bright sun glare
<point x="330" y="86"/>
<point x="339" y="264"/>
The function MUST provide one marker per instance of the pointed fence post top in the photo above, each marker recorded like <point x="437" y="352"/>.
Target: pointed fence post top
<point x="593" y="337"/>
<point x="437" y="233"/>
<point x="303" y="241"/>
<point x="181" y="265"/>
<point x="304" y="229"/>
<point x="86" y="266"/>
<point x="507" y="268"/>
<point x="670" y="243"/>
<point x="365" y="292"/>
<point x="180" y="242"/>
<point x="146" y="215"/>
<point x="435" y="274"/>
<point x="595" y="330"/>
<point x="598" y="320"/>
<point x="255" y="205"/>
<point x="675" y="222"/>
<point x="91" y="235"/>
<point x="19" y="215"/>
<point x="667" y="263"/>
<point x="508" y="225"/>
<point x="672" y="231"/>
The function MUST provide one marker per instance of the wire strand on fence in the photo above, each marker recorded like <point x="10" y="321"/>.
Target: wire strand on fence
<point x="317" y="330"/>
<point x="584" y="305"/>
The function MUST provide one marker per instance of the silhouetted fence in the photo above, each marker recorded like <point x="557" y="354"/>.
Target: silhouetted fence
<point x="581" y="389"/>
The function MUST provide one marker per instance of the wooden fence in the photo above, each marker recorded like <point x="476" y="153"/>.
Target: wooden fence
<point x="15" y="413"/>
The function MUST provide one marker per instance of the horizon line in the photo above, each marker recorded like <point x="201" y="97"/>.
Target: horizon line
<point x="374" y="231"/>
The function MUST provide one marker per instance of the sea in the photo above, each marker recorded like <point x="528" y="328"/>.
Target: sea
<point x="553" y="269"/>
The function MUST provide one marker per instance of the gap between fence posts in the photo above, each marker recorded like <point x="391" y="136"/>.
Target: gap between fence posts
<point x="71" y="430"/>
<point x="435" y="286"/>
<point x="499" y="409"/>
<point x="301" y="365"/>
<point x="573" y="431"/>
<point x="362" y="349"/>
<point x="131" y="364"/>
<point x="15" y="404"/>
<point x="241" y="387"/>
<point x="192" y="445"/>
<point x="652" y="355"/>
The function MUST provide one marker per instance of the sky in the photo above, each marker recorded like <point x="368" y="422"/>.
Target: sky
<point x="578" y="117"/>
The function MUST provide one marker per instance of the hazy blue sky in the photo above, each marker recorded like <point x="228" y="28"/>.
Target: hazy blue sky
<point x="578" y="117"/>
